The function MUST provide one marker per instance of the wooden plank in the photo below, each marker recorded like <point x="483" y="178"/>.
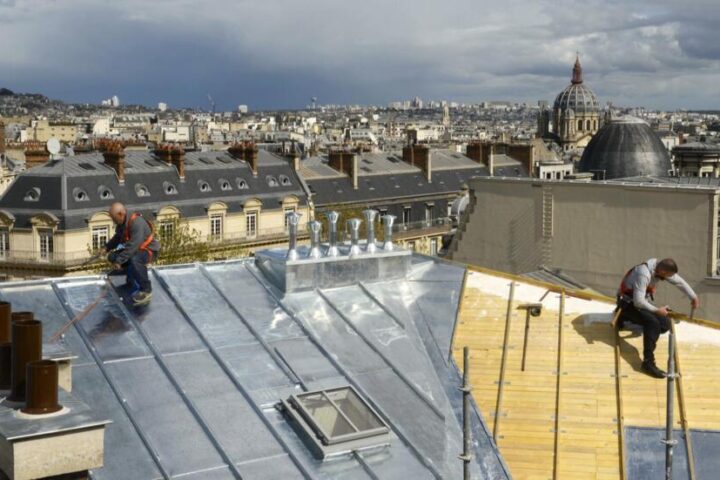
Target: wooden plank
<point x="618" y="393"/>
<point x="681" y="404"/>
<point x="503" y="362"/>
<point x="558" y="385"/>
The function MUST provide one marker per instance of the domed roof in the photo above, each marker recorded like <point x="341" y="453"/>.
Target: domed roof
<point x="625" y="147"/>
<point x="576" y="96"/>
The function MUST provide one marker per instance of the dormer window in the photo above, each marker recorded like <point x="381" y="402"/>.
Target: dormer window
<point x="80" y="195"/>
<point x="224" y="185"/>
<point x="169" y="188"/>
<point x="285" y="181"/>
<point x="32" y="195"/>
<point x="271" y="181"/>
<point x="242" y="184"/>
<point x="204" y="186"/>
<point x="141" y="190"/>
<point x="105" y="193"/>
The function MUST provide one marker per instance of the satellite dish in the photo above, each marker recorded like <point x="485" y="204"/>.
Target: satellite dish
<point x="53" y="146"/>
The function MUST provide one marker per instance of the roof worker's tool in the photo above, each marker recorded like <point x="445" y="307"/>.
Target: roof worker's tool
<point x="84" y="313"/>
<point x="531" y="309"/>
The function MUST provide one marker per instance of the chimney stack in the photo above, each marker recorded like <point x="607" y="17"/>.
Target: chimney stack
<point x="177" y="157"/>
<point x="525" y="154"/>
<point x="315" y="231"/>
<point x="354" y="227"/>
<point x="345" y="162"/>
<point x="248" y="152"/>
<point x="419" y="156"/>
<point x="388" y="221"/>
<point x="474" y="151"/>
<point x="5" y="346"/>
<point x="293" y="219"/>
<point x="114" y="154"/>
<point x="332" y="218"/>
<point x="26" y="348"/>
<point x="370" y="215"/>
<point x="35" y="154"/>
<point x="42" y="388"/>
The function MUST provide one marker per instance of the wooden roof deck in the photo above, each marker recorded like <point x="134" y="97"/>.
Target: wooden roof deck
<point x="566" y="426"/>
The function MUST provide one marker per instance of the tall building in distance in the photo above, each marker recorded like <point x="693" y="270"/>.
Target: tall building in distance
<point x="575" y="115"/>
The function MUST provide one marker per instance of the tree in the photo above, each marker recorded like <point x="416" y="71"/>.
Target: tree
<point x="180" y="244"/>
<point x="346" y="213"/>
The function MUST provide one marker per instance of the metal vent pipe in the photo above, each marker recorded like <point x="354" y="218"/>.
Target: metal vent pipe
<point x="26" y="348"/>
<point x="42" y="388"/>
<point x="388" y="221"/>
<point x="370" y="215"/>
<point x="354" y="227"/>
<point x="333" y="218"/>
<point x="5" y="346"/>
<point x="293" y="219"/>
<point x="315" y="231"/>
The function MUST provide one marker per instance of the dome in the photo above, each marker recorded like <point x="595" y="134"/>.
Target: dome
<point x="625" y="147"/>
<point x="576" y="96"/>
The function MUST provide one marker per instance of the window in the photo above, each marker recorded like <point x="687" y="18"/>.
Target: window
<point x="216" y="226"/>
<point x="580" y="124"/>
<point x="100" y="236"/>
<point x="285" y="181"/>
<point x="241" y="184"/>
<point x="251" y="220"/>
<point x="449" y="209"/>
<point x="204" y="186"/>
<point x="46" y="243"/>
<point x="335" y="420"/>
<point x="286" y="211"/>
<point x="166" y="229"/>
<point x="271" y="181"/>
<point x="169" y="188"/>
<point x="105" y="193"/>
<point x="32" y="195"/>
<point x="433" y="246"/>
<point x="141" y="190"/>
<point x="80" y="195"/>
<point x="4" y="242"/>
<point x="224" y="185"/>
<point x="429" y="214"/>
<point x="406" y="215"/>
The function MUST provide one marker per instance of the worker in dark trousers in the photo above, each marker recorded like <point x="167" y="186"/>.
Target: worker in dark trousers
<point x="636" y="290"/>
<point x="132" y="248"/>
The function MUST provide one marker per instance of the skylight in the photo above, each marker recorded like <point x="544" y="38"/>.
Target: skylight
<point x="336" y="420"/>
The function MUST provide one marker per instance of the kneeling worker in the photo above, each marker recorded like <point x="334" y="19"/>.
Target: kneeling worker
<point x="132" y="248"/>
<point x="636" y="288"/>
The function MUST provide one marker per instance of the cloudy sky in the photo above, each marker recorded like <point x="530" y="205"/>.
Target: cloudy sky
<point x="279" y="53"/>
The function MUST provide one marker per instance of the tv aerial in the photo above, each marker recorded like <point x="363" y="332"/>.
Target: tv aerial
<point x="53" y="146"/>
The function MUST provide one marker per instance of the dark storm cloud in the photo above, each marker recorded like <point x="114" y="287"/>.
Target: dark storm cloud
<point x="279" y="53"/>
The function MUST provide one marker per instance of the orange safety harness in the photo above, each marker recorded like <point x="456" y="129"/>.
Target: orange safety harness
<point x="628" y="291"/>
<point x="144" y="245"/>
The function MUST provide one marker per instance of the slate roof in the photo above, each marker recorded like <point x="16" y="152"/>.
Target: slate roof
<point x="191" y="383"/>
<point x="60" y="183"/>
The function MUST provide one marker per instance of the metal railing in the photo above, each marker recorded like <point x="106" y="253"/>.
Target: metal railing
<point x="257" y="235"/>
<point x="48" y="258"/>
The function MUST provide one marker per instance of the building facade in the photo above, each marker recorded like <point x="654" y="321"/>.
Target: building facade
<point x="55" y="215"/>
<point x="697" y="159"/>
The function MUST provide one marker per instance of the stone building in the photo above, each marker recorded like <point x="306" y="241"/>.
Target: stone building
<point x="697" y="159"/>
<point x="575" y="116"/>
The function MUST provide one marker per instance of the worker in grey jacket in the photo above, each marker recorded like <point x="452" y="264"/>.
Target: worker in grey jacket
<point x="636" y="291"/>
<point x="132" y="248"/>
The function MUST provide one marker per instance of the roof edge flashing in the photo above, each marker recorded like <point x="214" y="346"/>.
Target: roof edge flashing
<point x="307" y="273"/>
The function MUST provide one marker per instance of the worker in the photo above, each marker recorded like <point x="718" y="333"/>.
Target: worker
<point x="636" y="291"/>
<point x="131" y="249"/>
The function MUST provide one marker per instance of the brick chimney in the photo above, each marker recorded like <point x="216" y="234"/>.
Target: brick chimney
<point x="524" y="154"/>
<point x="173" y="155"/>
<point x="345" y="162"/>
<point x="474" y="151"/>
<point x="163" y="152"/>
<point x="486" y="155"/>
<point x="419" y="156"/>
<point x="35" y="154"/>
<point x="247" y="151"/>
<point x="113" y="153"/>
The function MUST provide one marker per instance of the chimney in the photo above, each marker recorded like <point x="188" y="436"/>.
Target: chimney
<point x="524" y="154"/>
<point x="332" y="218"/>
<point x="407" y="154"/>
<point x="487" y="150"/>
<point x="354" y="227"/>
<point x="114" y="154"/>
<point x="5" y="346"/>
<point x="315" y="231"/>
<point x="388" y="221"/>
<point x="177" y="158"/>
<point x="251" y="156"/>
<point x="293" y="219"/>
<point x="42" y="388"/>
<point x="26" y="348"/>
<point x="35" y="154"/>
<point x="335" y="160"/>
<point x="370" y="215"/>
<point x="474" y="151"/>
<point x="163" y="152"/>
<point x="350" y="162"/>
<point x="423" y="160"/>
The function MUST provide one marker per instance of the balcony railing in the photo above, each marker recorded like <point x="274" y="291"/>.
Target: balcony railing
<point x="47" y="258"/>
<point x="259" y="235"/>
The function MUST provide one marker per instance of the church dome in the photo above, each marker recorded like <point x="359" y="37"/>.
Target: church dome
<point x="576" y="96"/>
<point x="625" y="147"/>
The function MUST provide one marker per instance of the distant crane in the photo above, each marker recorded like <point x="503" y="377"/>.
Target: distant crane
<point x="212" y="104"/>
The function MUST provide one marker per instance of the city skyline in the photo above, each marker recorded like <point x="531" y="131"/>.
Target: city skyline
<point x="637" y="53"/>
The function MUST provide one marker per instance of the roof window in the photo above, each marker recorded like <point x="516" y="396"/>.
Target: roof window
<point x="204" y="186"/>
<point x="105" y="193"/>
<point x="271" y="181"/>
<point x="32" y="195"/>
<point x="80" y="195"/>
<point x="285" y="181"/>
<point x="141" y="190"/>
<point x="224" y="185"/>
<point x="169" y="188"/>
<point x="335" y="420"/>
<point x="241" y="183"/>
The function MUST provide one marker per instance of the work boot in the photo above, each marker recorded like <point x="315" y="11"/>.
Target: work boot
<point x="142" y="298"/>
<point x="651" y="369"/>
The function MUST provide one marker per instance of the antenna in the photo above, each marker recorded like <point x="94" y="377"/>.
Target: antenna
<point x="53" y="146"/>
